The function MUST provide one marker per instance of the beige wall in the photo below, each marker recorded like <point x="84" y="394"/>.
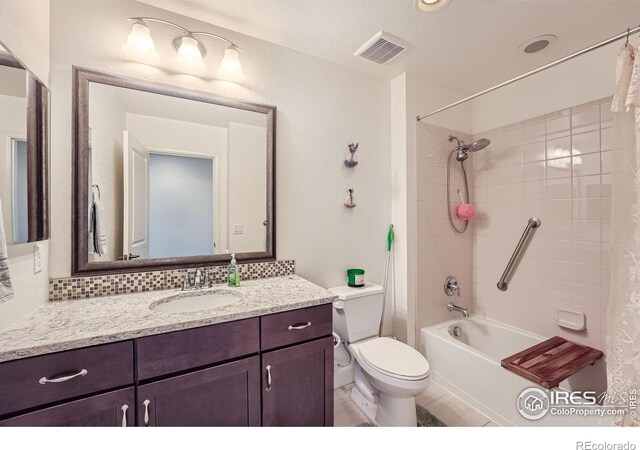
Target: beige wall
<point x="321" y="108"/>
<point x="24" y="30"/>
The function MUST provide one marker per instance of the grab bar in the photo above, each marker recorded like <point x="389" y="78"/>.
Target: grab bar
<point x="534" y="222"/>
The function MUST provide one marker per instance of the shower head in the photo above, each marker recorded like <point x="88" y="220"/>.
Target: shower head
<point x="463" y="149"/>
<point x="479" y="145"/>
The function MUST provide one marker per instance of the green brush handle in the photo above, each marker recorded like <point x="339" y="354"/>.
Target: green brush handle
<point x="390" y="237"/>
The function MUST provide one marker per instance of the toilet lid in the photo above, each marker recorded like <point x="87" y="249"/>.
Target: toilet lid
<point x="394" y="358"/>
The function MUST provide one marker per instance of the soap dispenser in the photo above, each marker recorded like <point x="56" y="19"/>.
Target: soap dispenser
<point x="233" y="275"/>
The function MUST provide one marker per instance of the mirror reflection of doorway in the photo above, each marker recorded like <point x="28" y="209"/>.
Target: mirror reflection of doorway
<point x="19" y="191"/>
<point x="181" y="205"/>
<point x="171" y="198"/>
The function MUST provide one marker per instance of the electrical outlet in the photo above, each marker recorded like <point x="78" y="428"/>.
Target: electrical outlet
<point x="238" y="229"/>
<point x="37" y="258"/>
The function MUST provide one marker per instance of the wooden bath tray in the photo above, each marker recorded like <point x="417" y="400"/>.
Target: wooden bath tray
<point x="552" y="361"/>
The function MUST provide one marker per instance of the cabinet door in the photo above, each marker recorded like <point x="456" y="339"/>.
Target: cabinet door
<point x="115" y="409"/>
<point x="226" y="395"/>
<point x="297" y="385"/>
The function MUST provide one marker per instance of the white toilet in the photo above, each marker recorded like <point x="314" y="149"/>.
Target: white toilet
<point x="388" y="374"/>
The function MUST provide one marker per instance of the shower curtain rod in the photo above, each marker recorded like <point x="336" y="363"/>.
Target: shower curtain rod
<point x="612" y="39"/>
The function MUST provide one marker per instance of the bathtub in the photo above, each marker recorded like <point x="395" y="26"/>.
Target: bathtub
<point x="468" y="366"/>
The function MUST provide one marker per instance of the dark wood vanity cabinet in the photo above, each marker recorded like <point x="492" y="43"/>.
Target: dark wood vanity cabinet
<point x="276" y="370"/>
<point x="298" y="385"/>
<point x="114" y="409"/>
<point x="227" y="395"/>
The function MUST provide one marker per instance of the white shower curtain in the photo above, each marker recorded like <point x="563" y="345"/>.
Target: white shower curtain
<point x="623" y="315"/>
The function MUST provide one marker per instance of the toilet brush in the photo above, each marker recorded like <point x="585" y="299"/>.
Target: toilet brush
<point x="390" y="237"/>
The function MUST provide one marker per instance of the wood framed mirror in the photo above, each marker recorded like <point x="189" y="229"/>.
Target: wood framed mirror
<point x="168" y="178"/>
<point x="24" y="152"/>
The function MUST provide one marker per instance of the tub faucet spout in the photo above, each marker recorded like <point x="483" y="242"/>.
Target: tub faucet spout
<point x="453" y="307"/>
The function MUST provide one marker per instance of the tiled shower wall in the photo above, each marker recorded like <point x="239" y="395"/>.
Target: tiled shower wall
<point x="557" y="168"/>
<point x="441" y="251"/>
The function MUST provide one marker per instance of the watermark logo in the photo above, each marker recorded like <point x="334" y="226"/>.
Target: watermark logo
<point x="533" y="403"/>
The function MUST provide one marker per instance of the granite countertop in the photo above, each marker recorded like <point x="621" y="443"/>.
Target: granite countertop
<point x="69" y="324"/>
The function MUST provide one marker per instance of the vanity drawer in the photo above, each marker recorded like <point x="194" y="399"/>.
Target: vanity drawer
<point x="182" y="350"/>
<point x="299" y="325"/>
<point x="40" y="380"/>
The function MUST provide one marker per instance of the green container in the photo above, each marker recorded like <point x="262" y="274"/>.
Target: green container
<point x="355" y="278"/>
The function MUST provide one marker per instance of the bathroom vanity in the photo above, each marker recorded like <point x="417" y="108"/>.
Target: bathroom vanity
<point x="114" y="361"/>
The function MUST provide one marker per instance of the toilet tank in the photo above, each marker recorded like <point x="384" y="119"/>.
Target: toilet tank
<point x="357" y="312"/>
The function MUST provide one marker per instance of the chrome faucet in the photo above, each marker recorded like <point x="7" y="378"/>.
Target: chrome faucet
<point x="201" y="279"/>
<point x="453" y="307"/>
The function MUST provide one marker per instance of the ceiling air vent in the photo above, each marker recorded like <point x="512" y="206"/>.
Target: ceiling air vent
<point x="382" y="48"/>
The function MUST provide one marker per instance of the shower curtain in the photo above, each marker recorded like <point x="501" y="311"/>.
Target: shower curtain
<point x="623" y="314"/>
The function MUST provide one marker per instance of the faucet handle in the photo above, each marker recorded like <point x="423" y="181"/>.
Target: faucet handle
<point x="451" y="286"/>
<point x="205" y="278"/>
<point x="186" y="280"/>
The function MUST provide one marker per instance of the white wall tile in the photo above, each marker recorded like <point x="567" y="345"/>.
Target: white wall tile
<point x="585" y="143"/>
<point x="589" y="186"/>
<point x="606" y="139"/>
<point x="534" y="151"/>
<point x="441" y="251"/>
<point x="586" y="120"/>
<point x="558" y="189"/>
<point x="534" y="171"/>
<point x="559" y="168"/>
<point x="587" y="209"/>
<point x="559" y="147"/>
<point x="586" y="165"/>
<point x="566" y="263"/>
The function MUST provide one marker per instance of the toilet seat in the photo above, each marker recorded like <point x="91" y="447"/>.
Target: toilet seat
<point x="394" y="359"/>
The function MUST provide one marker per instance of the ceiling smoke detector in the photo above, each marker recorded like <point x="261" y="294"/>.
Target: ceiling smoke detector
<point x="537" y="44"/>
<point x="382" y="48"/>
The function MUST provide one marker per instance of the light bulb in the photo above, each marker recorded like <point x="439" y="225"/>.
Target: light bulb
<point x="431" y="5"/>
<point x="189" y="48"/>
<point x="230" y="64"/>
<point x="140" y="38"/>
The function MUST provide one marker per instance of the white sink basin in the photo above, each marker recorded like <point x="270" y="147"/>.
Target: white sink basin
<point x="196" y="301"/>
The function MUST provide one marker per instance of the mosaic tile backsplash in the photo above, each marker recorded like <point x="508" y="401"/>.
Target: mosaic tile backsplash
<point x="128" y="283"/>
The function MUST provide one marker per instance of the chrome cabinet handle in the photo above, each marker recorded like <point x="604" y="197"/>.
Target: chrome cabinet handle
<point x="124" y="414"/>
<point x="268" y="378"/>
<point x="146" y="412"/>
<point x="45" y="380"/>
<point x="299" y="326"/>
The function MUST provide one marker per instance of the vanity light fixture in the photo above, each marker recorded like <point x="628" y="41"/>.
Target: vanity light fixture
<point x="140" y="37"/>
<point x="431" y="5"/>
<point x="187" y="45"/>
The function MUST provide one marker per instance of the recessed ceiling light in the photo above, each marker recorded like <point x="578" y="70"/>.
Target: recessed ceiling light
<point x="537" y="44"/>
<point x="431" y="5"/>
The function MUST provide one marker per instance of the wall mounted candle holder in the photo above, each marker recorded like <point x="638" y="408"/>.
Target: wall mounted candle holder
<point x="350" y="201"/>
<point x="351" y="160"/>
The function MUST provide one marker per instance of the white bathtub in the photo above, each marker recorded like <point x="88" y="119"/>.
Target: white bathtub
<point x="468" y="366"/>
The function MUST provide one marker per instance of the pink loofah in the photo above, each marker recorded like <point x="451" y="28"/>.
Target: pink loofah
<point x="465" y="211"/>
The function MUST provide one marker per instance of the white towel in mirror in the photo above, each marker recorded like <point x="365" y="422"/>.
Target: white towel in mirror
<point x="97" y="226"/>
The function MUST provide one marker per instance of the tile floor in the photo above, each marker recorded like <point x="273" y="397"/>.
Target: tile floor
<point x="445" y="406"/>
